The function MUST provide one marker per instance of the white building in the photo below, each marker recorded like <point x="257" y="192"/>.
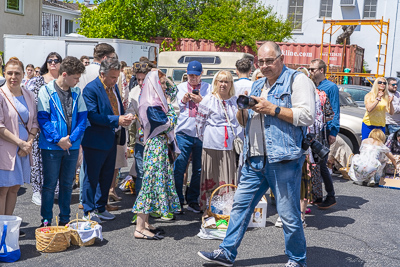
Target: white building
<point x="308" y="19"/>
<point x="59" y="18"/>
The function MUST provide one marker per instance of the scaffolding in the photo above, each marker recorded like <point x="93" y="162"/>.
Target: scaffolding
<point x="381" y="26"/>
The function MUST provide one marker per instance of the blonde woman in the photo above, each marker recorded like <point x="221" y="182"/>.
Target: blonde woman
<point x="217" y="127"/>
<point x="377" y="103"/>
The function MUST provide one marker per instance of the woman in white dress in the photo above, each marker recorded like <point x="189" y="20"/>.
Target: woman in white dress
<point x="367" y="167"/>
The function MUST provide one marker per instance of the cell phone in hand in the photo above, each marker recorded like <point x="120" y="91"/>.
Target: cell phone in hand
<point x="196" y="91"/>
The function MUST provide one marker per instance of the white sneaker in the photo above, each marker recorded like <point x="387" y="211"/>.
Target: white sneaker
<point x="37" y="198"/>
<point x="92" y="217"/>
<point x="105" y="215"/>
<point x="279" y="222"/>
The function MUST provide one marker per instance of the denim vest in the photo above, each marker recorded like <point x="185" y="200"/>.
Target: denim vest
<point x="282" y="139"/>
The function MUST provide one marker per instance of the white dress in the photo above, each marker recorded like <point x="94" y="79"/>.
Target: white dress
<point x="369" y="163"/>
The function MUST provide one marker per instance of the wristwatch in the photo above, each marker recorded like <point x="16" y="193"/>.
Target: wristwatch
<point x="277" y="111"/>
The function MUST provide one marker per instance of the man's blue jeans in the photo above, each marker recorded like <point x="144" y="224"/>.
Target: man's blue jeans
<point x="139" y="150"/>
<point x="187" y="145"/>
<point x="58" y="166"/>
<point x="284" y="180"/>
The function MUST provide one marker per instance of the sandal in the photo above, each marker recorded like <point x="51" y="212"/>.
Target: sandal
<point x="156" y="230"/>
<point x="155" y="237"/>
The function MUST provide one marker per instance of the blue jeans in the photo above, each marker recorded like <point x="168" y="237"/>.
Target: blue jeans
<point x="284" y="180"/>
<point x="58" y="166"/>
<point x="81" y="179"/>
<point x="393" y="128"/>
<point x="187" y="145"/>
<point x="139" y="149"/>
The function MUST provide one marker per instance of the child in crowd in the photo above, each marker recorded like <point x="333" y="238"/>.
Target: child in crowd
<point x="367" y="167"/>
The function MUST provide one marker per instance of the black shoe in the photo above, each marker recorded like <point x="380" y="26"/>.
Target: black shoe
<point x="217" y="256"/>
<point x="328" y="202"/>
<point x="318" y="201"/>
<point x="21" y="233"/>
<point x="194" y="207"/>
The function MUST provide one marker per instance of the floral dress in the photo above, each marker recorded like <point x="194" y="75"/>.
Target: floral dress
<point x="158" y="193"/>
<point x="369" y="163"/>
<point x="34" y="85"/>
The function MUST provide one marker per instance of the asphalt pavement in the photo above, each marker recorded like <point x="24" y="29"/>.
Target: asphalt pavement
<point x="361" y="230"/>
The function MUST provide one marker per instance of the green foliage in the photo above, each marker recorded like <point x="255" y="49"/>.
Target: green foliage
<point x="223" y="21"/>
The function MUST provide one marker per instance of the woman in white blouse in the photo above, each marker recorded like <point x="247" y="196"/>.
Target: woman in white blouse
<point x="216" y="119"/>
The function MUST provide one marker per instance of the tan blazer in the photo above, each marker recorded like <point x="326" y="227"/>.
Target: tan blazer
<point x="9" y="120"/>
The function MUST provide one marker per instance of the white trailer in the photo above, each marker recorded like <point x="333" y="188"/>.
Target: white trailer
<point x="31" y="49"/>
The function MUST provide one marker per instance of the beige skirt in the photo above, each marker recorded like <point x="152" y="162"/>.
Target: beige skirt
<point x="218" y="167"/>
<point x="121" y="161"/>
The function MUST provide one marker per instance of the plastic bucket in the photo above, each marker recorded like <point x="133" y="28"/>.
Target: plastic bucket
<point x="9" y="236"/>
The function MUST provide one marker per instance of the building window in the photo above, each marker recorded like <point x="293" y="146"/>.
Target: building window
<point x="295" y="13"/>
<point x="325" y="10"/>
<point x="51" y="24"/>
<point x="69" y="26"/>
<point x="370" y="9"/>
<point x="15" y="6"/>
<point x="398" y="74"/>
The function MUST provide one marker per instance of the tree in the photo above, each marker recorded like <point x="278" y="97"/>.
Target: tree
<point x="223" y="21"/>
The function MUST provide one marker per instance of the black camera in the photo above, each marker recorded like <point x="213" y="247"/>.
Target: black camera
<point x="316" y="147"/>
<point x="196" y="91"/>
<point x="245" y="102"/>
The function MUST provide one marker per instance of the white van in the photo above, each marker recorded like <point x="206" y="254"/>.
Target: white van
<point x="174" y="63"/>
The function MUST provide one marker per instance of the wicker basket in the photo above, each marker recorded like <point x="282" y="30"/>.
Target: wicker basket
<point x="345" y="170"/>
<point x="58" y="239"/>
<point x="76" y="239"/>
<point x="218" y="216"/>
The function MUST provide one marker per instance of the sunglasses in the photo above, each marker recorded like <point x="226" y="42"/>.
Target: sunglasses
<point x="394" y="84"/>
<point x="267" y="62"/>
<point x="380" y="82"/>
<point x="139" y="65"/>
<point x="312" y="69"/>
<point x="37" y="71"/>
<point x="55" y="61"/>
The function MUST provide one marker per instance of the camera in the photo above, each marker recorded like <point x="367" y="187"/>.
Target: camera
<point x="316" y="147"/>
<point x="245" y="102"/>
<point x="196" y="91"/>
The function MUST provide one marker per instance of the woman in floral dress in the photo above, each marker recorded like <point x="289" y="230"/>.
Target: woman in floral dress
<point x="158" y="193"/>
<point x="48" y="72"/>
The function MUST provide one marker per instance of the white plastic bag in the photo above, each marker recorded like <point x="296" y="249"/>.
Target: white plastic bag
<point x="9" y="235"/>
<point x="208" y="233"/>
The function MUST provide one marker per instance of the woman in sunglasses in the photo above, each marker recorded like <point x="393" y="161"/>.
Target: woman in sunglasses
<point x="48" y="73"/>
<point x="377" y="103"/>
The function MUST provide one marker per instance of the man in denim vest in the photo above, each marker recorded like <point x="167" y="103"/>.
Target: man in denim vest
<point x="273" y="156"/>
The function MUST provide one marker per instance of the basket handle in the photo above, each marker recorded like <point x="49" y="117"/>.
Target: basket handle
<point x="212" y="194"/>
<point x="348" y="160"/>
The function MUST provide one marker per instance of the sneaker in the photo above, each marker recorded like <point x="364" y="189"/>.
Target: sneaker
<point x="105" y="215"/>
<point x="37" y="198"/>
<point x="194" y="207"/>
<point x="169" y="217"/>
<point x="93" y="217"/>
<point x="328" y="202"/>
<point x="155" y="215"/>
<point x="371" y="183"/>
<point x="217" y="256"/>
<point x="279" y="222"/>
<point x="134" y="219"/>
<point x="291" y="263"/>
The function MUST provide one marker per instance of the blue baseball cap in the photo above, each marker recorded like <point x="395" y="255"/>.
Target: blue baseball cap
<point x="195" y="68"/>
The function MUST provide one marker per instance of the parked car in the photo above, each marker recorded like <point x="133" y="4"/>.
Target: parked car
<point x="350" y="121"/>
<point x="357" y="92"/>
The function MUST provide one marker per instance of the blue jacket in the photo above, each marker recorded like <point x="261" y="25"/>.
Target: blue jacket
<point x="52" y="121"/>
<point x="283" y="140"/>
<point x="332" y="91"/>
<point x="100" y="134"/>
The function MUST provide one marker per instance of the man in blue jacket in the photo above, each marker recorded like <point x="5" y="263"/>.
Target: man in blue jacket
<point x="106" y="116"/>
<point x="318" y="72"/>
<point x="62" y="119"/>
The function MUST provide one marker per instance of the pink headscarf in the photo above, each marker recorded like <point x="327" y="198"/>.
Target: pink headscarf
<point x="152" y="95"/>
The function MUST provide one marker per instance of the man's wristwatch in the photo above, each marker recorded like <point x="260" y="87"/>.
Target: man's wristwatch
<point x="277" y="111"/>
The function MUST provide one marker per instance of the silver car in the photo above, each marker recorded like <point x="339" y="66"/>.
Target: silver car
<point x="357" y="92"/>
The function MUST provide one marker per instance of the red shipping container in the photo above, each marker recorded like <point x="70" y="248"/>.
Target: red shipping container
<point x="296" y="54"/>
